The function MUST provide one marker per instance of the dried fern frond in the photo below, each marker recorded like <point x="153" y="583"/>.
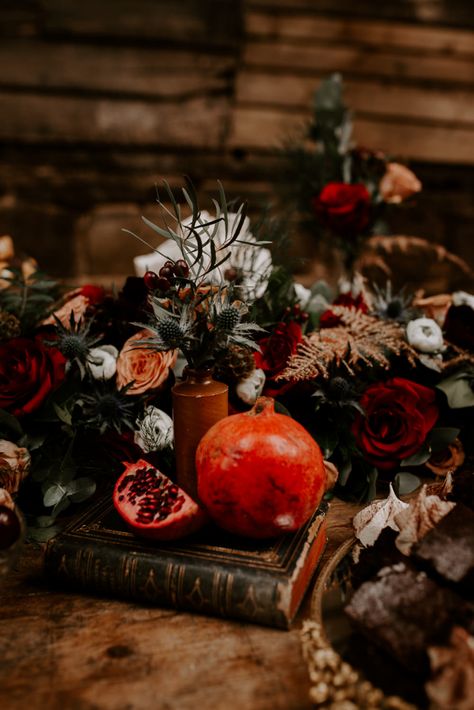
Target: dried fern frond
<point x="361" y="340"/>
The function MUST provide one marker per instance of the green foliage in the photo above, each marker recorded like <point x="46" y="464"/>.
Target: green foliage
<point x="30" y="299"/>
<point x="279" y="295"/>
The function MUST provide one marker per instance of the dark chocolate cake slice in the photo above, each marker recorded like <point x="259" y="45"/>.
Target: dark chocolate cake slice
<point x="463" y="488"/>
<point x="403" y="611"/>
<point x="448" y="549"/>
<point x="382" y="553"/>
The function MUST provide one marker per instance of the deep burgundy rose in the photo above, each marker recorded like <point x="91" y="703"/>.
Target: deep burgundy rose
<point x="343" y="208"/>
<point x="349" y="301"/>
<point x="459" y="326"/>
<point x="329" y="319"/>
<point x="399" y="415"/>
<point x="94" y="294"/>
<point x="277" y="348"/>
<point x="29" y="371"/>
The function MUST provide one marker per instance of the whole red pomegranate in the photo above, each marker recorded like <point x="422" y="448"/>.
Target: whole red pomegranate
<point x="153" y="506"/>
<point x="259" y="473"/>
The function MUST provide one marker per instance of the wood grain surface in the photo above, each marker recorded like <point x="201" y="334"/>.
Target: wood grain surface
<point x="64" y="651"/>
<point x="102" y="100"/>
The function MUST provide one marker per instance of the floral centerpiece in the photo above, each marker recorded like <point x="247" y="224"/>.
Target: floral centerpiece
<point x="381" y="380"/>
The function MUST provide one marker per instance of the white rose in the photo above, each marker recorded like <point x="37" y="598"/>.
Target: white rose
<point x="303" y="294"/>
<point x="102" y="362"/>
<point x="425" y="335"/>
<point x="249" y="389"/>
<point x="155" y="430"/>
<point x="254" y="264"/>
<point x="461" y="298"/>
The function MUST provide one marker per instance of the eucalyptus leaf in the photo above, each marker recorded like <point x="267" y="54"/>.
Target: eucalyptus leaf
<point x="372" y="477"/>
<point x="81" y="489"/>
<point x="60" y="507"/>
<point x="459" y="389"/>
<point x="441" y="437"/>
<point x="162" y="232"/>
<point x="405" y="483"/>
<point x="344" y="472"/>
<point x="63" y="414"/>
<point x="53" y="494"/>
<point x="328" y="440"/>
<point x="9" y="423"/>
<point x="417" y="459"/>
<point x="43" y="534"/>
<point x="281" y="409"/>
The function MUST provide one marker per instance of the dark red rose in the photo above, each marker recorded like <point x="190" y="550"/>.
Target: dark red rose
<point x="94" y="294"/>
<point x="399" y="415"/>
<point x="343" y="208"/>
<point x="348" y="300"/>
<point x="329" y="319"/>
<point x="459" y="326"/>
<point x="29" y="371"/>
<point x="277" y="348"/>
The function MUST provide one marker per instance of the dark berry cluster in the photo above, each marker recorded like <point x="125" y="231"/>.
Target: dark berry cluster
<point x="297" y="313"/>
<point x="166" y="277"/>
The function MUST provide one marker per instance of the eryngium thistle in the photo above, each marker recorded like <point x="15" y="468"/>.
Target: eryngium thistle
<point x="228" y="318"/>
<point x="10" y="326"/>
<point x="170" y="332"/>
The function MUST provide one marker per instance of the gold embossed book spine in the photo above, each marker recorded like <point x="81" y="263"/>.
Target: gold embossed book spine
<point x="263" y="584"/>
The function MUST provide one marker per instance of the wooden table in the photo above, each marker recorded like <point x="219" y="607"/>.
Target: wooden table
<point x="59" y="651"/>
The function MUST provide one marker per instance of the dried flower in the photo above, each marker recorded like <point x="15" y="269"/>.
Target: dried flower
<point x="14" y="465"/>
<point x="76" y="305"/>
<point x="146" y="368"/>
<point x="452" y="673"/>
<point x="423" y="513"/>
<point x="425" y="335"/>
<point x="371" y="520"/>
<point x="249" y="389"/>
<point x="398" y="183"/>
<point x="447" y="460"/>
<point x="360" y="340"/>
<point x="155" y="430"/>
<point x="461" y="298"/>
<point x="434" y="307"/>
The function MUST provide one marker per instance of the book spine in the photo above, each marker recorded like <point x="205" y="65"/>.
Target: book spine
<point x="117" y="572"/>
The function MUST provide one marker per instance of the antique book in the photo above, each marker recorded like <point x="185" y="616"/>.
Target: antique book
<point x="211" y="572"/>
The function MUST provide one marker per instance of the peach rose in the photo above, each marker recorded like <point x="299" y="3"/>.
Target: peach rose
<point x="447" y="460"/>
<point x="76" y="304"/>
<point x="14" y="465"/>
<point x="7" y="250"/>
<point x="398" y="183"/>
<point x="147" y="368"/>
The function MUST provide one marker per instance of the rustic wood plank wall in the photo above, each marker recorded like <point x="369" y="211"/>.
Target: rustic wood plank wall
<point x="100" y="100"/>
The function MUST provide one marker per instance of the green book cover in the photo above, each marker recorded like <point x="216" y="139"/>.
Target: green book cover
<point x="211" y="572"/>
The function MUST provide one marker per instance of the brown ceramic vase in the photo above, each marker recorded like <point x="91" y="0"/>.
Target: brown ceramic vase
<point x="199" y="401"/>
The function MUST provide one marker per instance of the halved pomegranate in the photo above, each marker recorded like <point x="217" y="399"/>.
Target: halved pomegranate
<point x="153" y="506"/>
